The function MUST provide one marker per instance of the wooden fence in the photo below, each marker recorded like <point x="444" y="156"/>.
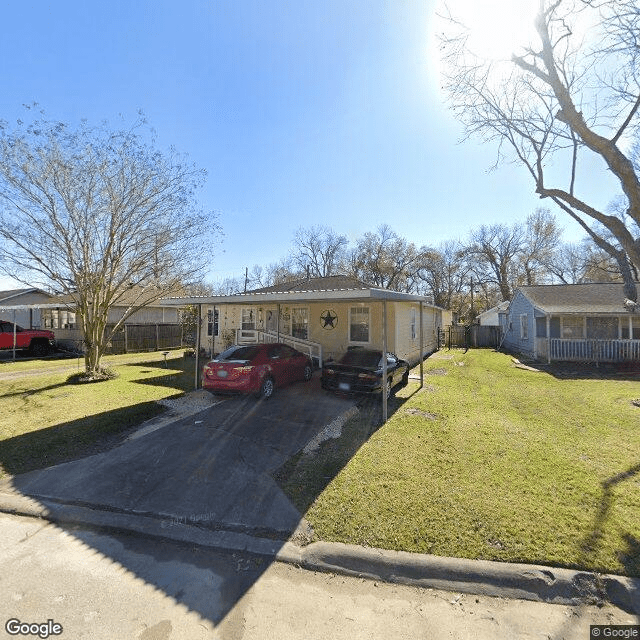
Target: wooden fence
<point x="465" y="337"/>
<point x="146" y="337"/>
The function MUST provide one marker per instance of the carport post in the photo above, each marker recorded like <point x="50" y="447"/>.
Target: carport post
<point x="197" y="353"/>
<point x="385" y="382"/>
<point x="14" y="334"/>
<point x="421" y="348"/>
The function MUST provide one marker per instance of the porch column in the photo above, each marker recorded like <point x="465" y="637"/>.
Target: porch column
<point x="385" y="382"/>
<point x="213" y="329"/>
<point x="548" y="318"/>
<point x="278" y="323"/>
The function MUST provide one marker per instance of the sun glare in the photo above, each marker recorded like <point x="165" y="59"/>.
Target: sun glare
<point x="497" y="28"/>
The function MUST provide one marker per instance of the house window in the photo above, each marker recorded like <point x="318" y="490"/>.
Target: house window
<point x="248" y="320"/>
<point x="58" y="319"/>
<point x="541" y="327"/>
<point x="524" y="327"/>
<point x="572" y="327"/>
<point x="359" y="324"/>
<point x="213" y="328"/>
<point x="602" y="328"/>
<point x="635" y="328"/>
<point x="413" y="324"/>
<point x="300" y="322"/>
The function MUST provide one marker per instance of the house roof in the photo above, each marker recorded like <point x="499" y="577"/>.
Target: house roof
<point x="502" y="306"/>
<point x="593" y="297"/>
<point x="16" y="293"/>
<point x="327" y="283"/>
<point x="306" y="290"/>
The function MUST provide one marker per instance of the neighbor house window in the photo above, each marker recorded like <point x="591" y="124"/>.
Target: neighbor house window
<point x="300" y="322"/>
<point x="213" y="328"/>
<point x="58" y="319"/>
<point x="635" y="328"/>
<point x="602" y="328"/>
<point x="413" y="324"/>
<point x="359" y="324"/>
<point x="572" y="327"/>
<point x="524" y="327"/>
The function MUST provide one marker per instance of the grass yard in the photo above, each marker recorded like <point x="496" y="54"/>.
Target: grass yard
<point x="45" y="420"/>
<point x="487" y="461"/>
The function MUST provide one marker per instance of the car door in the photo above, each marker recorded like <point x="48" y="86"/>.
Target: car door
<point x="277" y="364"/>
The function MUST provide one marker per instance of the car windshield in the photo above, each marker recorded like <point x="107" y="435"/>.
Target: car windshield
<point x="362" y="358"/>
<point x="239" y="353"/>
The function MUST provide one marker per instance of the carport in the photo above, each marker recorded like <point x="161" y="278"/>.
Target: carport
<point x="321" y="296"/>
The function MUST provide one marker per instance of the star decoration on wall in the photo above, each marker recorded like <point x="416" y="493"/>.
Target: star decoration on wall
<point x="329" y="319"/>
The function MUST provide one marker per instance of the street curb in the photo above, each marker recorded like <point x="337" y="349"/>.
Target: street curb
<point x="482" y="577"/>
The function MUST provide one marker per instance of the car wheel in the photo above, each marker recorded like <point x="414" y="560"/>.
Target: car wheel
<point x="39" y="348"/>
<point x="266" y="388"/>
<point x="390" y="390"/>
<point x="308" y="372"/>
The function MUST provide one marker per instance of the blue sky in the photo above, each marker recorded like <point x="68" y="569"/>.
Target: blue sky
<point x="301" y="112"/>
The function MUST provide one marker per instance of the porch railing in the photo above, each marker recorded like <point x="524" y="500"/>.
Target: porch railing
<point x="595" y="350"/>
<point x="313" y="349"/>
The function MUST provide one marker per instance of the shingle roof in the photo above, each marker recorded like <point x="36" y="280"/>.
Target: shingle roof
<point x="592" y="297"/>
<point x="328" y="283"/>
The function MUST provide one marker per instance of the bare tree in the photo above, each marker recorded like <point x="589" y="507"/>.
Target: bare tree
<point x="101" y="216"/>
<point x="540" y="242"/>
<point x="571" y="97"/>
<point x="318" y="250"/>
<point x="444" y="274"/>
<point x="494" y="250"/>
<point x="385" y="259"/>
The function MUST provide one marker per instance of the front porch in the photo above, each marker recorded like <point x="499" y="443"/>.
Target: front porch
<point x="587" y="350"/>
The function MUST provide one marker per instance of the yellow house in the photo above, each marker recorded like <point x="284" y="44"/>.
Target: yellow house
<point x="320" y="316"/>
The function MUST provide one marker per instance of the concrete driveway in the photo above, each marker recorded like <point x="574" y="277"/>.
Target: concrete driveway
<point x="211" y="469"/>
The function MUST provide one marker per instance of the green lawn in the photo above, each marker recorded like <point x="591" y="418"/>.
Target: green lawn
<point x="487" y="461"/>
<point x="45" y="420"/>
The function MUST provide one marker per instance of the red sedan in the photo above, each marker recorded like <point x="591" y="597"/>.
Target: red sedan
<point x="256" y="368"/>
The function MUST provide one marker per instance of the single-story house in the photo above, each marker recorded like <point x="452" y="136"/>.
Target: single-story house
<point x="320" y="316"/>
<point x="490" y="317"/>
<point x="155" y="326"/>
<point x="28" y="317"/>
<point x="591" y="322"/>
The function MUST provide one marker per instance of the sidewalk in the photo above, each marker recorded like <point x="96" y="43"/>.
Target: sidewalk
<point x="100" y="586"/>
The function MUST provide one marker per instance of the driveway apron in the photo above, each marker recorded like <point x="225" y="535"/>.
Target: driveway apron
<point x="211" y="469"/>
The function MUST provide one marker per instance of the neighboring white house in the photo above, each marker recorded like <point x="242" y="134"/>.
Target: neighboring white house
<point x="320" y="316"/>
<point x="27" y="316"/>
<point x="155" y="326"/>
<point x="490" y="317"/>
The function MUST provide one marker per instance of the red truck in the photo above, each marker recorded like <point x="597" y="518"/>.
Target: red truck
<point x="38" y="342"/>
